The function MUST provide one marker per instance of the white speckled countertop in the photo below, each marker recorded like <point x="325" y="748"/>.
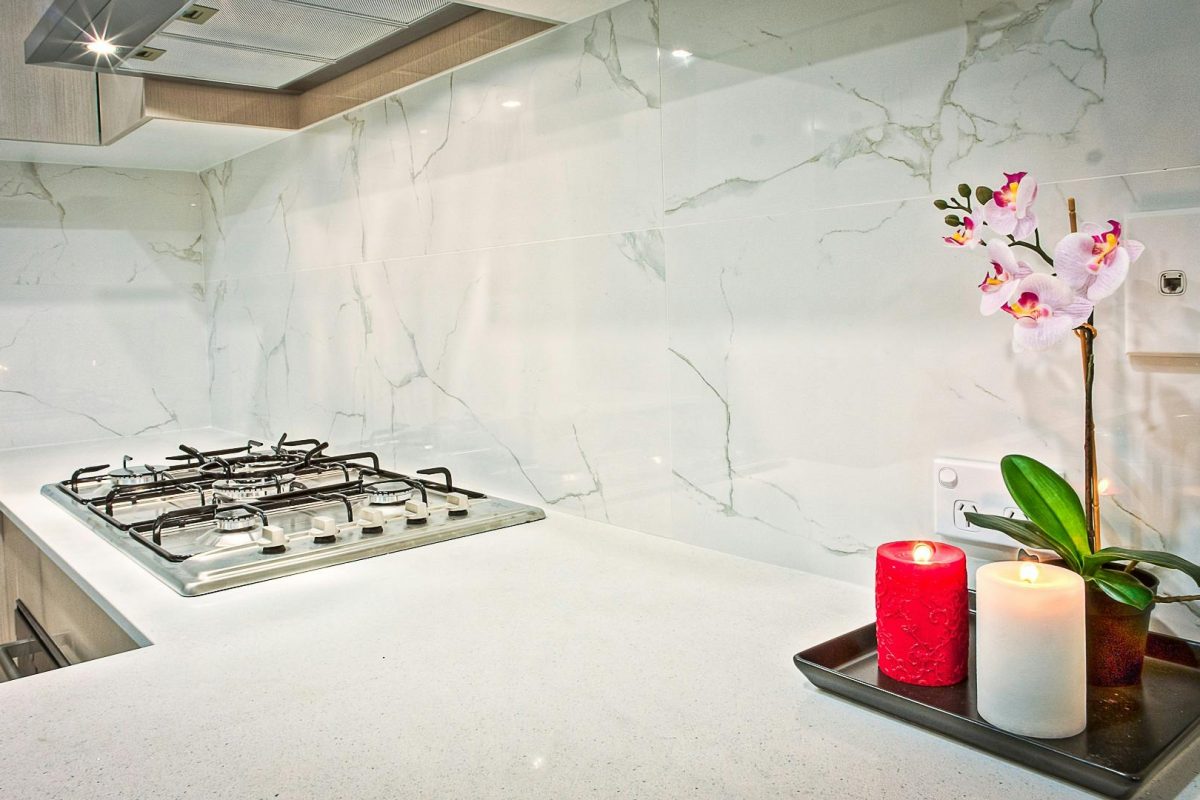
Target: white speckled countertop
<point x="559" y="659"/>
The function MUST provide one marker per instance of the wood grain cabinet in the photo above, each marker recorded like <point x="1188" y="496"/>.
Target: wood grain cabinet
<point x="69" y="106"/>
<point x="38" y="103"/>
<point x="74" y="620"/>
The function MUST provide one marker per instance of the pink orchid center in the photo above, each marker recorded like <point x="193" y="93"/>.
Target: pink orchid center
<point x="1103" y="246"/>
<point x="993" y="282"/>
<point x="963" y="235"/>
<point x="1006" y="195"/>
<point x="1028" y="310"/>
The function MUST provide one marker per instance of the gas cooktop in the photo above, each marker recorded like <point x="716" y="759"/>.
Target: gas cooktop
<point x="203" y="521"/>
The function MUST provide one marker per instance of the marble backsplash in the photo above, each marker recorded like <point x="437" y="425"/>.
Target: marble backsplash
<point x="103" y="328"/>
<point x="704" y="296"/>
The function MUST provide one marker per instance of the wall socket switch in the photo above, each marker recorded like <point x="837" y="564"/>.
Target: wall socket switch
<point x="961" y="486"/>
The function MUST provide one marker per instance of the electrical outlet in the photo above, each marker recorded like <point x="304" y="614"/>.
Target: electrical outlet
<point x="960" y="487"/>
<point x="961" y="509"/>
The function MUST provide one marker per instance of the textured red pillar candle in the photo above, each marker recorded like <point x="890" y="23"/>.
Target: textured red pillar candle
<point x="921" y="612"/>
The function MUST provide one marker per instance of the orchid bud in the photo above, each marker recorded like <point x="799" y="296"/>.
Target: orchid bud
<point x="964" y="190"/>
<point x="940" y="205"/>
<point x="953" y="221"/>
<point x="983" y="194"/>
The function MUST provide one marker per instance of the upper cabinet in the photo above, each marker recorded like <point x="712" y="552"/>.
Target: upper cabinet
<point x="41" y="104"/>
<point x="97" y="72"/>
<point x="246" y="95"/>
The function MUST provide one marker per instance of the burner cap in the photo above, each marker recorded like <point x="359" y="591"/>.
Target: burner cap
<point x="235" y="519"/>
<point x="136" y="474"/>
<point x="389" y="493"/>
<point x="250" y="487"/>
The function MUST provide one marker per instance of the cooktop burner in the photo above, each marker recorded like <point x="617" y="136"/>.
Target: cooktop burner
<point x="135" y="475"/>
<point x="211" y="520"/>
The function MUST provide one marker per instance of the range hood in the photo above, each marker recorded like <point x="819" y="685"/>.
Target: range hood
<point x="285" y="46"/>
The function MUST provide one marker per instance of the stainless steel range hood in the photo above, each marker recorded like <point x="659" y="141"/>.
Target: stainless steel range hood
<point x="279" y="45"/>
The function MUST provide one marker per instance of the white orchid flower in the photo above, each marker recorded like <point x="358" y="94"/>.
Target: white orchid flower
<point x="1046" y="310"/>
<point x="1002" y="279"/>
<point x="1095" y="261"/>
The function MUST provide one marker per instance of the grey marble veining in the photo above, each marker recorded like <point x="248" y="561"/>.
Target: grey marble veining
<point x="705" y="296"/>
<point x="793" y="104"/>
<point x="539" y="369"/>
<point x="102" y="313"/>
<point x="452" y="164"/>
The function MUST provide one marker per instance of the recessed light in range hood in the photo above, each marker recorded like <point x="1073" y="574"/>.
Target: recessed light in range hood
<point x="286" y="45"/>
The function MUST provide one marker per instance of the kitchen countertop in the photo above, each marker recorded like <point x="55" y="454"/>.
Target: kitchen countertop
<point x="565" y="658"/>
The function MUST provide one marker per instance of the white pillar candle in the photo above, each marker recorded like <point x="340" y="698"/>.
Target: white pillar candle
<point x="1030" y="649"/>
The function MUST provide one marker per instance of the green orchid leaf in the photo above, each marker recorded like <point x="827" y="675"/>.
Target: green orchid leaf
<point x="1026" y="533"/>
<point x="1107" y="555"/>
<point x="1124" y="588"/>
<point x="1048" y="501"/>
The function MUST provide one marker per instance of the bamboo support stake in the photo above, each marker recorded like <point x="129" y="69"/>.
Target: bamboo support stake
<point x="1087" y="338"/>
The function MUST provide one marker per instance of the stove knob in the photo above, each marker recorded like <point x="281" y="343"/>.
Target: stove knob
<point x="273" y="540"/>
<point x="458" y="504"/>
<point x="372" y="521"/>
<point x="325" y="530"/>
<point x="418" y="512"/>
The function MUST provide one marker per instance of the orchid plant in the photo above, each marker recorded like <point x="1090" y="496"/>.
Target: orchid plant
<point x="1087" y="266"/>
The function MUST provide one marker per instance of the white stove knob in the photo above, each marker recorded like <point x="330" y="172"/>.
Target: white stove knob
<point x="458" y="504"/>
<point x="325" y="530"/>
<point x="273" y="540"/>
<point x="418" y="512"/>
<point x="372" y="520"/>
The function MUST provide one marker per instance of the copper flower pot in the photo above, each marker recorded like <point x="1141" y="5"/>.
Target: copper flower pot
<point x="1116" y="636"/>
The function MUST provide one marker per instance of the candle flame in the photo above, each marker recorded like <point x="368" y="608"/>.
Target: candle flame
<point x="1029" y="572"/>
<point x="922" y="553"/>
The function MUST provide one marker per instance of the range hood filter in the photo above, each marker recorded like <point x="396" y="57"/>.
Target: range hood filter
<point x="213" y="63"/>
<point x="280" y="27"/>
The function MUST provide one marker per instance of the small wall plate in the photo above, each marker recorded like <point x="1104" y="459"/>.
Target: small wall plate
<point x="1162" y="309"/>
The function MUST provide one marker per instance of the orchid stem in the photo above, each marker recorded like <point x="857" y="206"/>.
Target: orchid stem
<point x="1087" y="338"/>
<point x="1179" y="598"/>
<point x="1035" y="246"/>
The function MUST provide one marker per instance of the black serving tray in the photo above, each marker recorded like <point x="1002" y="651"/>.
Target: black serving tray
<point x="1131" y="731"/>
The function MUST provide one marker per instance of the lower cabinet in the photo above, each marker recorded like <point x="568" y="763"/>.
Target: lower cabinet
<point x="40" y="602"/>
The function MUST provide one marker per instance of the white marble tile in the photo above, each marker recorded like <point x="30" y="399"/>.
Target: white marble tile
<point x="92" y="362"/>
<point x="446" y="166"/>
<point x="770" y="364"/>
<point x="791" y="104"/>
<point x="102" y="318"/>
<point x="90" y="225"/>
<point x="534" y="371"/>
<point x="821" y="360"/>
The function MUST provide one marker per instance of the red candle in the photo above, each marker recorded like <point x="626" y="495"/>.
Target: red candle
<point x="921" y="612"/>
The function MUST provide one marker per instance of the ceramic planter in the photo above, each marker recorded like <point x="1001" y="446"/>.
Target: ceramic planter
<point x="1116" y="636"/>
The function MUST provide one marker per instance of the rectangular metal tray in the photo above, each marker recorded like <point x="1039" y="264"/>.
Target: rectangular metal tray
<point x="1131" y="731"/>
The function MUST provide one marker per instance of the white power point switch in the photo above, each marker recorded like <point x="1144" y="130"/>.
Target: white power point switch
<point x="1162" y="292"/>
<point x="960" y="487"/>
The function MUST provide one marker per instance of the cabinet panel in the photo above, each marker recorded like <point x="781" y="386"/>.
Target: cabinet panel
<point x="121" y="108"/>
<point x="68" y="610"/>
<point x="39" y="103"/>
<point x="72" y="618"/>
<point x="22" y="573"/>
